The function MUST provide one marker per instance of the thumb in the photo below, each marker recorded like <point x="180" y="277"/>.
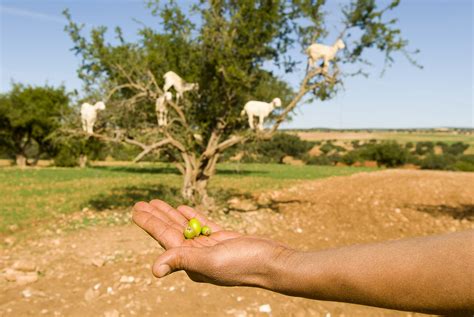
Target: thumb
<point x="175" y="259"/>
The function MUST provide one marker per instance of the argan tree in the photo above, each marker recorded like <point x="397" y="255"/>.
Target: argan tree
<point x="28" y="116"/>
<point x="226" y="46"/>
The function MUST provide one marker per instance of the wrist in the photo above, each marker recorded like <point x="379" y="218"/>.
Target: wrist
<point x="279" y="268"/>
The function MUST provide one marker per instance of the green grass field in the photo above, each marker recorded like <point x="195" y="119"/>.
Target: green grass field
<point x="34" y="196"/>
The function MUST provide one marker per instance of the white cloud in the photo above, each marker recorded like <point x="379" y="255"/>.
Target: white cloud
<point x="31" y="14"/>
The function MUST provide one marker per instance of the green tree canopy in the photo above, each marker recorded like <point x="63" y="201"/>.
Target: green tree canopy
<point x="28" y="115"/>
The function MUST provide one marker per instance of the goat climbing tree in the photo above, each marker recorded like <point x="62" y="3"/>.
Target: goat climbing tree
<point x="226" y="47"/>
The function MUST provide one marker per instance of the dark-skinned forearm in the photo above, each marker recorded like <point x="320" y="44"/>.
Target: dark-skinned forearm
<point x="432" y="274"/>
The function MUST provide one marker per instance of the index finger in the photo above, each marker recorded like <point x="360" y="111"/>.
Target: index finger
<point x="166" y="235"/>
<point x="189" y="213"/>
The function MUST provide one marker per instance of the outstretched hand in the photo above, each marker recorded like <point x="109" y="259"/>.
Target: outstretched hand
<point x="223" y="258"/>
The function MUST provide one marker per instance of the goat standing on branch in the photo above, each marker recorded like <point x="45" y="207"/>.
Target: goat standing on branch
<point x="318" y="51"/>
<point x="89" y="115"/>
<point x="259" y="109"/>
<point x="161" y="108"/>
<point x="173" y="80"/>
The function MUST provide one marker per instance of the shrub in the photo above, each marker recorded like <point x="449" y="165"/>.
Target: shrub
<point x="355" y="144"/>
<point x="273" y="150"/>
<point x="283" y="144"/>
<point x="413" y="159"/>
<point x="319" y="160"/>
<point x="465" y="163"/>
<point x="335" y="158"/>
<point x="463" y="166"/>
<point x="390" y="154"/>
<point x="423" y="148"/>
<point x="351" y="157"/>
<point x="468" y="158"/>
<point x="66" y="157"/>
<point x="339" y="149"/>
<point x="327" y="147"/>
<point x="367" y="152"/>
<point x="457" y="148"/>
<point x="409" y="145"/>
<point x="438" y="162"/>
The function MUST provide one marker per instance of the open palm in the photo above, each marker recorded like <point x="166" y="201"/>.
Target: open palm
<point x="223" y="258"/>
<point x="166" y="225"/>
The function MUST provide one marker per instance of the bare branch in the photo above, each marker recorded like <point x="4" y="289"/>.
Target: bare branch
<point x="151" y="148"/>
<point x="180" y="167"/>
<point x="304" y="88"/>
<point x="233" y="140"/>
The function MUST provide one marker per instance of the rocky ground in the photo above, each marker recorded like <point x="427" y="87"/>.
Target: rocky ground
<point x="105" y="271"/>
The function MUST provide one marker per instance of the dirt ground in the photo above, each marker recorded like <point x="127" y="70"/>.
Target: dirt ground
<point x="105" y="271"/>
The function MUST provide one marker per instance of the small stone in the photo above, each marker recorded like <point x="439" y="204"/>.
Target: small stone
<point x="266" y="308"/>
<point x="263" y="200"/>
<point x="127" y="279"/>
<point x="56" y="242"/>
<point x="10" y="275"/>
<point x="242" y="205"/>
<point x="240" y="298"/>
<point x="236" y="312"/>
<point x="98" y="262"/>
<point x="91" y="294"/>
<point x="112" y="313"/>
<point x="13" y="228"/>
<point x="27" y="293"/>
<point x="27" y="278"/>
<point x="24" y="266"/>
<point x="9" y="241"/>
<point x="110" y="291"/>
<point x="299" y="230"/>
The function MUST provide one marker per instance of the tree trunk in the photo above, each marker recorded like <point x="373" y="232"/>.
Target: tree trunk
<point x="34" y="161"/>
<point x="21" y="160"/>
<point x="196" y="178"/>
<point x="82" y="160"/>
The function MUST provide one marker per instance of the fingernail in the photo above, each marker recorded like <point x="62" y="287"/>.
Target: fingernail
<point x="163" y="270"/>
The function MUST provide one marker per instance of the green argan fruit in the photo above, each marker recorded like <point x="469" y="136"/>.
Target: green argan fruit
<point x="189" y="232"/>
<point x="196" y="225"/>
<point x="206" y="231"/>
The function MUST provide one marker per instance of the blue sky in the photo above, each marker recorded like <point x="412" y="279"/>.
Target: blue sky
<point x="34" y="49"/>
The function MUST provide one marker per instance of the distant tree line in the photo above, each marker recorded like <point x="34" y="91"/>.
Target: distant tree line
<point x="384" y="153"/>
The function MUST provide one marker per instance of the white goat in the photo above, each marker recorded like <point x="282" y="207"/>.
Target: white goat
<point x="89" y="115"/>
<point x="259" y="109"/>
<point x="318" y="51"/>
<point x="173" y="80"/>
<point x="161" y="108"/>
